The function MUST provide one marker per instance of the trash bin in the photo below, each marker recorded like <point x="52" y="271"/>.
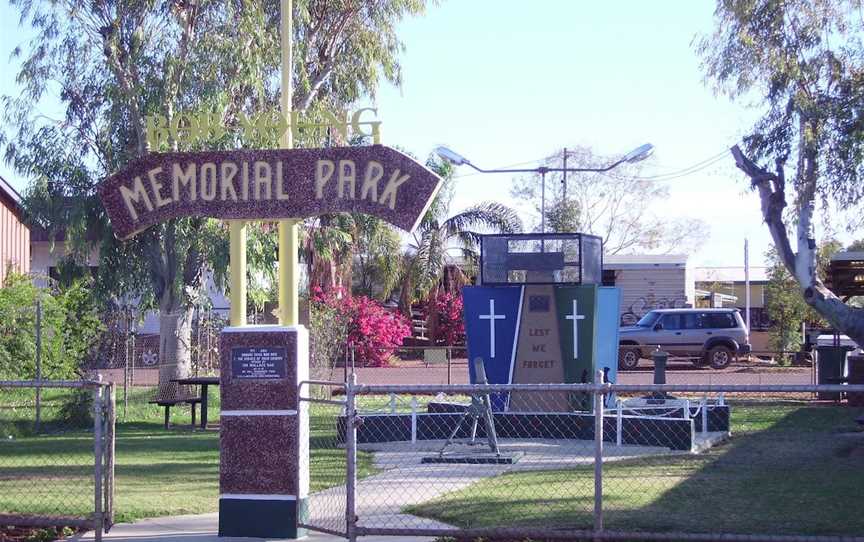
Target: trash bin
<point x="855" y="375"/>
<point x="830" y="365"/>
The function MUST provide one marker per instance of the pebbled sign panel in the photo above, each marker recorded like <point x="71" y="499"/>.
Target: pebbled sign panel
<point x="268" y="184"/>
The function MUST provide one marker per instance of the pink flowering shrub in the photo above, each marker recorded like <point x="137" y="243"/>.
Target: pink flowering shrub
<point x="372" y="332"/>
<point x="450" y="328"/>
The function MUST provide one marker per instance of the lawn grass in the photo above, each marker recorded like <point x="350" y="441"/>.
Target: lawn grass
<point x="158" y="472"/>
<point x="787" y="470"/>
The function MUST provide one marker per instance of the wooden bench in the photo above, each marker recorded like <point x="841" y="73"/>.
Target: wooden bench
<point x="173" y="398"/>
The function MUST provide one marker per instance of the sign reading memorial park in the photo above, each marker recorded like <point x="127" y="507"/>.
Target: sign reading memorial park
<point x="268" y="185"/>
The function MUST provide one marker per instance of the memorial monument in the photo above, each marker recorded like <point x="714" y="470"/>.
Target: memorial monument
<point x="540" y="315"/>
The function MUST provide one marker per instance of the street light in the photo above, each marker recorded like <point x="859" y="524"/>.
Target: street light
<point x="636" y="155"/>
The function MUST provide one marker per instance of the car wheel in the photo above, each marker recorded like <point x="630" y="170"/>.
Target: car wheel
<point x="629" y="358"/>
<point x="720" y="356"/>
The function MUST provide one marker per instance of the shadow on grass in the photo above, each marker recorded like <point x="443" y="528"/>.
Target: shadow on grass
<point x="785" y="477"/>
<point x="787" y="470"/>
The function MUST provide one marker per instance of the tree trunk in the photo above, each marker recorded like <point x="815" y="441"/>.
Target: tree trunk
<point x="175" y="352"/>
<point x="802" y="265"/>
<point x="848" y="320"/>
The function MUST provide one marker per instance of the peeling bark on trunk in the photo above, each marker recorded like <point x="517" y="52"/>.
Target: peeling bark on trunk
<point x="802" y="265"/>
<point x="175" y="341"/>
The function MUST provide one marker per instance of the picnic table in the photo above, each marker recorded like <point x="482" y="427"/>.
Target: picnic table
<point x="203" y="382"/>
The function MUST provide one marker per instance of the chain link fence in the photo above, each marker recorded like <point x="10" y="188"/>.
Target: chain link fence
<point x="610" y="461"/>
<point x="57" y="454"/>
<point x="447" y="364"/>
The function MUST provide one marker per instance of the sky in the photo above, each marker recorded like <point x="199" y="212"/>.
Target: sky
<point x="505" y="82"/>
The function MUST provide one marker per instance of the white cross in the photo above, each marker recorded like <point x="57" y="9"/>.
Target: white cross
<point x="575" y="317"/>
<point x="492" y="317"/>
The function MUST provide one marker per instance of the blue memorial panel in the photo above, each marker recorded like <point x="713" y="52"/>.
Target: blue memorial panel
<point x="608" y="314"/>
<point x="608" y="311"/>
<point x="491" y="324"/>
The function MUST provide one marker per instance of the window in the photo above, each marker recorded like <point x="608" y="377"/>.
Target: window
<point x="649" y="319"/>
<point x="718" y="320"/>
<point x="672" y="321"/>
<point x="691" y="320"/>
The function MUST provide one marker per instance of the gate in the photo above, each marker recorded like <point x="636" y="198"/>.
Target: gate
<point x="325" y="402"/>
<point x="56" y="462"/>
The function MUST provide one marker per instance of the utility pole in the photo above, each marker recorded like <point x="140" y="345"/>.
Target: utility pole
<point x="564" y="179"/>
<point x="747" y="281"/>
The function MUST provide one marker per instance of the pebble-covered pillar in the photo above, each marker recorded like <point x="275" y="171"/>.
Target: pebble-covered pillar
<point x="264" y="433"/>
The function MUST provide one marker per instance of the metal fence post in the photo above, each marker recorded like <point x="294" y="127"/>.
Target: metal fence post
<point x="345" y="366"/>
<point x="598" y="455"/>
<point x="98" y="519"/>
<point x="350" y="459"/>
<point x="449" y="364"/>
<point x="38" y="366"/>
<point x="110" y="432"/>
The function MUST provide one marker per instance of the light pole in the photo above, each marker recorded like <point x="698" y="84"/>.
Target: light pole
<point x="636" y="155"/>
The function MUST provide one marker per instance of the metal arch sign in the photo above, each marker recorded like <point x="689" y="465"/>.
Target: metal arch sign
<point x="268" y="184"/>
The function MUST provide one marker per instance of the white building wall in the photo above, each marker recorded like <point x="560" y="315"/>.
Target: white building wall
<point x="45" y="254"/>
<point x="645" y="289"/>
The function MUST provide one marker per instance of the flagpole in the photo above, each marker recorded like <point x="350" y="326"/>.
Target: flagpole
<point x="288" y="265"/>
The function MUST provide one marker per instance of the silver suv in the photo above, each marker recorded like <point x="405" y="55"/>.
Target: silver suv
<point x="712" y="337"/>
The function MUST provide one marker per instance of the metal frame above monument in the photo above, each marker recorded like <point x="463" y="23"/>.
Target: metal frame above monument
<point x="542" y="258"/>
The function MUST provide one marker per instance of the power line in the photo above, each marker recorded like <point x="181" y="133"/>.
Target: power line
<point x="684" y="172"/>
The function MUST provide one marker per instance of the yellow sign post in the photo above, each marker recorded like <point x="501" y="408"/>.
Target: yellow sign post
<point x="288" y="268"/>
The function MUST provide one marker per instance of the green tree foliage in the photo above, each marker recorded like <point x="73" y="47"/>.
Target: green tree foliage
<point x="443" y="244"/>
<point x="615" y="206"/>
<point x="115" y="62"/>
<point x="800" y="62"/>
<point x="379" y="260"/>
<point x="70" y="329"/>
<point x="784" y="305"/>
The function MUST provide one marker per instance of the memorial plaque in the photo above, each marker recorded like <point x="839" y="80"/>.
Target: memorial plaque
<point x="538" y="303"/>
<point x="538" y="355"/>
<point x="258" y="363"/>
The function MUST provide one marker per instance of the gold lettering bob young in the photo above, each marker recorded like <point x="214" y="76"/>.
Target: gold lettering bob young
<point x="192" y="129"/>
<point x="268" y="184"/>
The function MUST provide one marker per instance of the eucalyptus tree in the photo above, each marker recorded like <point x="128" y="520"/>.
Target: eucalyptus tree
<point x="617" y="205"/>
<point x="801" y="63"/>
<point x="111" y="64"/>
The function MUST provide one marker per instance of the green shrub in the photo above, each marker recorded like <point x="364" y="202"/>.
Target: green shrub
<point x="76" y="411"/>
<point x="70" y="329"/>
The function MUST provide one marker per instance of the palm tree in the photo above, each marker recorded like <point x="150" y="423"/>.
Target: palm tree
<point x="353" y="252"/>
<point x="442" y="247"/>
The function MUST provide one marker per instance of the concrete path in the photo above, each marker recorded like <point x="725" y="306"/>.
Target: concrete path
<point x="402" y="481"/>
<point x="200" y="528"/>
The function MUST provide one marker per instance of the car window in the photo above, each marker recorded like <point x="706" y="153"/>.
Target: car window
<point x="691" y="320"/>
<point x="671" y="321"/>
<point x="718" y="320"/>
<point x="649" y="319"/>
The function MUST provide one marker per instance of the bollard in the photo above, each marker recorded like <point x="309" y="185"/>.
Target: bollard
<point x="660" y="358"/>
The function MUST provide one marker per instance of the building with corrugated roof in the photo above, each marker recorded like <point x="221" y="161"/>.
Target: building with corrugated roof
<point x="650" y="281"/>
<point x="14" y="233"/>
